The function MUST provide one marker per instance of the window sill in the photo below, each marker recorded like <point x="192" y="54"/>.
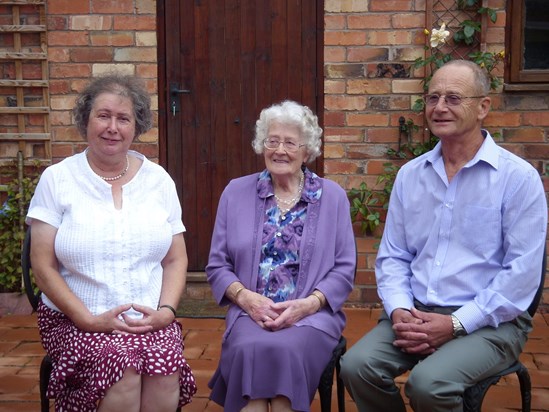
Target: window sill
<point x="526" y="87"/>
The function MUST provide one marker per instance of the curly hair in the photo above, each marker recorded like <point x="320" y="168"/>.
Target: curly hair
<point x="124" y="85"/>
<point x="290" y="113"/>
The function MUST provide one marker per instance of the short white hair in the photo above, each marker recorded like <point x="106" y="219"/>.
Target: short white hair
<point x="290" y="113"/>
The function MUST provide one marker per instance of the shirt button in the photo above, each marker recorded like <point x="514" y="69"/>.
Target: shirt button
<point x="278" y="234"/>
<point x="437" y="263"/>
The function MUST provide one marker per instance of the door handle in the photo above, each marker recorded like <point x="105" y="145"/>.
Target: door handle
<point x="175" y="91"/>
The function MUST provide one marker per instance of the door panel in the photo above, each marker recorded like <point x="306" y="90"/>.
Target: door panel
<point x="235" y="57"/>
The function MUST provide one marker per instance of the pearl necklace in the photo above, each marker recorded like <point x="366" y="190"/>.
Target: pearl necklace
<point x="110" y="179"/>
<point x="293" y="200"/>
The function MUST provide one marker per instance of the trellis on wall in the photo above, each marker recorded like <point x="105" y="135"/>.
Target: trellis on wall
<point x="453" y="13"/>
<point x="24" y="82"/>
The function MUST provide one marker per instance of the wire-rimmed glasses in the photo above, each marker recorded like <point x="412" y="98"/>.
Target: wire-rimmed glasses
<point x="289" y="145"/>
<point x="449" y="99"/>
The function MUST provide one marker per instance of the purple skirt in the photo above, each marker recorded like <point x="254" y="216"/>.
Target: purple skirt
<point x="260" y="364"/>
<point x="87" y="364"/>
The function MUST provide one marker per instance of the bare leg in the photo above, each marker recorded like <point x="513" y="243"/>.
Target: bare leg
<point x="123" y="395"/>
<point x="281" y="404"/>
<point x="256" y="405"/>
<point x="160" y="393"/>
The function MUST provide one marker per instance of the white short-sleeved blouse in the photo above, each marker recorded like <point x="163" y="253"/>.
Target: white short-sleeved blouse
<point x="109" y="256"/>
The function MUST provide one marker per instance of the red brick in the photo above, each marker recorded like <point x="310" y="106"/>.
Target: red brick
<point x="65" y="38"/>
<point x="349" y="38"/>
<point x="91" y="54"/>
<point x="367" y="119"/>
<point x="391" y="5"/>
<point x="335" y="54"/>
<point x="147" y="23"/>
<point x="334" y="119"/>
<point x="60" y="71"/>
<point x="536" y="119"/>
<point x="408" y="20"/>
<point x="369" y="21"/>
<point x="340" y="167"/>
<point x="119" y="39"/>
<point x="344" y="102"/>
<point x="334" y="22"/>
<point x="367" y="53"/>
<point x="68" y="7"/>
<point x="530" y="134"/>
<point x="56" y="23"/>
<point x="343" y="134"/>
<point x="112" y="6"/>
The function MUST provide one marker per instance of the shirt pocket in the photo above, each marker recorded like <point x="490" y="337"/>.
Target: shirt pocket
<point x="481" y="230"/>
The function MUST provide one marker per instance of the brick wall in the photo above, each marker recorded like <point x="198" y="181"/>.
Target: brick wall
<point x="369" y="48"/>
<point x="86" y="38"/>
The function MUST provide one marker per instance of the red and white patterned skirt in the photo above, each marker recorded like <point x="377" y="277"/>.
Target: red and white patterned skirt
<point x="87" y="364"/>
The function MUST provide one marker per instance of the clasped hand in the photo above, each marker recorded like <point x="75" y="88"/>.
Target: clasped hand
<point x="274" y="316"/>
<point x="420" y="333"/>
<point x="116" y="320"/>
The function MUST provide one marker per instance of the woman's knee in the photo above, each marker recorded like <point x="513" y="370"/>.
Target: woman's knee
<point x="130" y="381"/>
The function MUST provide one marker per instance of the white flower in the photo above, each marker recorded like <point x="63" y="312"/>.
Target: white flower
<point x="439" y="37"/>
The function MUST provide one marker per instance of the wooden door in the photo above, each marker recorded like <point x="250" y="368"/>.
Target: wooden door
<point x="220" y="63"/>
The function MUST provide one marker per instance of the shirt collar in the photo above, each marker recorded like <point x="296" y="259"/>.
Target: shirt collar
<point x="487" y="153"/>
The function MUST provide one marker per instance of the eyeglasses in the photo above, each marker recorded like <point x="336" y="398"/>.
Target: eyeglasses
<point x="450" y="99"/>
<point x="289" y="145"/>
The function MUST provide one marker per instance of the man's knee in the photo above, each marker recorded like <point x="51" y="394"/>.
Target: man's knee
<point x="358" y="366"/>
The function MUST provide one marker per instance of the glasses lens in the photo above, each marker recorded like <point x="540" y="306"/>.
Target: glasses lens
<point x="271" y="143"/>
<point x="291" y="146"/>
<point x="431" y="99"/>
<point x="453" y="100"/>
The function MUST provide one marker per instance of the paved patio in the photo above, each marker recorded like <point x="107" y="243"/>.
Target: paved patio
<point x="21" y="352"/>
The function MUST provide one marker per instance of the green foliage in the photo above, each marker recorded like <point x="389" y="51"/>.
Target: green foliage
<point x="365" y="204"/>
<point x="12" y="231"/>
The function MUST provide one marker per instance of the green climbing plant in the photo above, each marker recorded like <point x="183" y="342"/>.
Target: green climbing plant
<point x="18" y="195"/>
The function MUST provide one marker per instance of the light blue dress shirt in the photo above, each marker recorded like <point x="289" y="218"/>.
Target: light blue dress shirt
<point x="475" y="242"/>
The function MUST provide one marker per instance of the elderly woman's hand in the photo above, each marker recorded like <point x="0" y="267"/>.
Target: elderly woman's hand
<point x="257" y="306"/>
<point x="292" y="311"/>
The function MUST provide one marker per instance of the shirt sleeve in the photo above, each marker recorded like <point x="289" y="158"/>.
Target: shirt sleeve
<point x="524" y="222"/>
<point x="44" y="205"/>
<point x="393" y="273"/>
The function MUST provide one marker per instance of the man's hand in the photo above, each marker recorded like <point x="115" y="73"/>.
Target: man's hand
<point x="421" y="333"/>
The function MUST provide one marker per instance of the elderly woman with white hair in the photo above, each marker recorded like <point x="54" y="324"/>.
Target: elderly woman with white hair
<point x="283" y="258"/>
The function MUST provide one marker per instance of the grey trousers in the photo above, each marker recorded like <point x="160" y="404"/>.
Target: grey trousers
<point x="436" y="382"/>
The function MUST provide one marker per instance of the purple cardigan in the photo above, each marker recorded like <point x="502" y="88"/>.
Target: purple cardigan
<point x="327" y="250"/>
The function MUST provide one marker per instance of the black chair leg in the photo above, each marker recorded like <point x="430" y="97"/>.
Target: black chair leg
<point x="340" y="389"/>
<point x="525" y="388"/>
<point x="45" y="372"/>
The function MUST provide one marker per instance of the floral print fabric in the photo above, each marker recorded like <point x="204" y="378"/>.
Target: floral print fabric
<point x="279" y="262"/>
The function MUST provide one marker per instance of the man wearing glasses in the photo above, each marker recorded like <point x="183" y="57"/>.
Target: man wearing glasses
<point x="459" y="261"/>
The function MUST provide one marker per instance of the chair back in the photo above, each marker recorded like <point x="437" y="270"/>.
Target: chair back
<point x="537" y="297"/>
<point x="32" y="296"/>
